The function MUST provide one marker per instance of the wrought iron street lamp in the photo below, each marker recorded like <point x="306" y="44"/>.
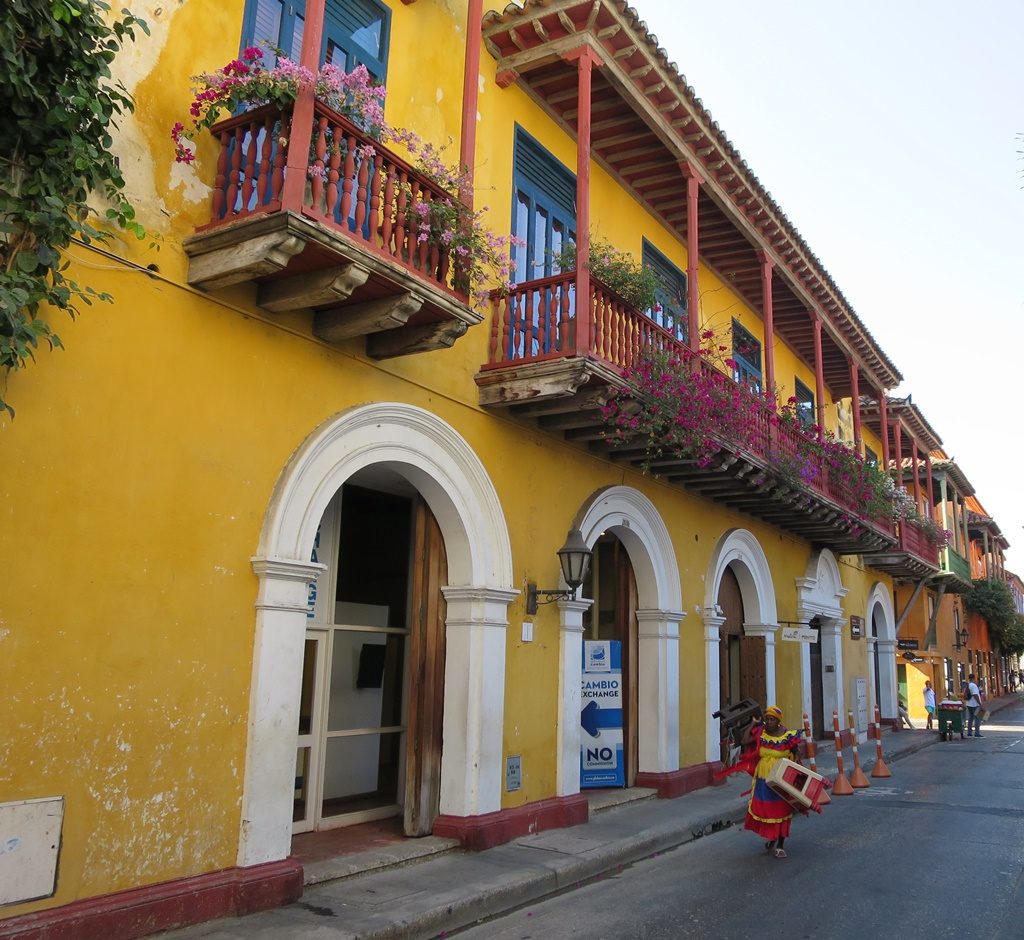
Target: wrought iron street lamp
<point x="960" y="638"/>
<point x="574" y="557"/>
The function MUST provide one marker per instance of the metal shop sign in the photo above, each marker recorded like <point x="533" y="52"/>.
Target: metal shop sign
<point x="601" y="757"/>
<point x="799" y="634"/>
<point x="856" y="628"/>
<point x="907" y="644"/>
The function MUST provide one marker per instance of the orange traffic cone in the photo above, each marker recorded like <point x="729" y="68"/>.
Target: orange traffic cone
<point x="841" y="786"/>
<point x="812" y="753"/>
<point x="857" y="778"/>
<point x="880" y="769"/>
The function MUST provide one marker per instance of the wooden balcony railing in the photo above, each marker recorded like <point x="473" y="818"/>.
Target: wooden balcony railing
<point x="955" y="563"/>
<point x="536" y="322"/>
<point x="915" y="541"/>
<point x="354" y="186"/>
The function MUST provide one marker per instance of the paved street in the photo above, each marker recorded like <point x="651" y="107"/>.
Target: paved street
<point x="937" y="851"/>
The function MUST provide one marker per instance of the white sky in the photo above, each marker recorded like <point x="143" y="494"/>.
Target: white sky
<point x="887" y="132"/>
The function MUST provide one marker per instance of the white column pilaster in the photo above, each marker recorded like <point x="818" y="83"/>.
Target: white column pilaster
<point x="570" y="681"/>
<point x="887" y="677"/>
<point x="713" y="620"/>
<point x="282" y="602"/>
<point x="658" y="673"/>
<point x="474" y="700"/>
<point x="832" y="678"/>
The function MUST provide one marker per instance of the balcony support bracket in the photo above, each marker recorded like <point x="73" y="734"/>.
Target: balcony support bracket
<point x="312" y="289"/>
<point x="423" y="337"/>
<point x="232" y="264"/>
<point x="384" y="313"/>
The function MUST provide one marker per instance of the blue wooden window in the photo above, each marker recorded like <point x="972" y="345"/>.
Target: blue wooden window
<point x="746" y="353"/>
<point x="543" y="208"/>
<point x="671" y="299"/>
<point x="804" y="404"/>
<point x="356" y="32"/>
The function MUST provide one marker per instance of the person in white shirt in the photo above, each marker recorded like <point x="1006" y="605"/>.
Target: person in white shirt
<point x="929" y="703"/>
<point x="973" y="703"/>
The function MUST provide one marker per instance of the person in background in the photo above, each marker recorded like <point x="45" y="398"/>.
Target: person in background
<point x="972" y="701"/>
<point x="929" y="704"/>
<point x="901" y="707"/>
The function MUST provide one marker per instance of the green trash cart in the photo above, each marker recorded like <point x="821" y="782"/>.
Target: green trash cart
<point x="951" y="719"/>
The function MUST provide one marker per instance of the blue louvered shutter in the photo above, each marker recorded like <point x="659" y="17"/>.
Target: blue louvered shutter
<point x="544" y="208"/>
<point x="671" y="299"/>
<point x="359" y="30"/>
<point x="356" y="32"/>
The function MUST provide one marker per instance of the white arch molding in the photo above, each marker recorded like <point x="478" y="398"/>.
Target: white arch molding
<point x="634" y="520"/>
<point x="740" y="549"/>
<point x="443" y="468"/>
<point x="820" y="594"/>
<point x="880" y="599"/>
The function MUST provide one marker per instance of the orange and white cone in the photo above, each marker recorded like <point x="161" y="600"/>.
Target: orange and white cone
<point x="841" y="786"/>
<point x="880" y="769"/>
<point x="857" y="778"/>
<point x="812" y="753"/>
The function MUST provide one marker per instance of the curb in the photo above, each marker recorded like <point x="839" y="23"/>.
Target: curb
<point x="565" y="874"/>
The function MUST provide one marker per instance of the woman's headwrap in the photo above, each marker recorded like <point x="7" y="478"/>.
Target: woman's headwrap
<point x="773" y="711"/>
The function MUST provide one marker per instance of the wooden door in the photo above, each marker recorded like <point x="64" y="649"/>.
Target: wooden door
<point x="753" y="679"/>
<point x="730" y="600"/>
<point x="427" y="611"/>
<point x="627" y="632"/>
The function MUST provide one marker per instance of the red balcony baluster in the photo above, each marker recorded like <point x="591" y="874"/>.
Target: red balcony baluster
<point x="334" y="172"/>
<point x="348" y="179"/>
<point x="266" y="139"/>
<point x="221" y="180"/>
<point x="400" y="215"/>
<point x="364" y="175"/>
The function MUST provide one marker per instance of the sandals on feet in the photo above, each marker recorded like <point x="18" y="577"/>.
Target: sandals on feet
<point x="780" y="853"/>
<point x="768" y="846"/>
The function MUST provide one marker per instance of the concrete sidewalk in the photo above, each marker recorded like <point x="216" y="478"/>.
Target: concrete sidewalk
<point x="440" y="894"/>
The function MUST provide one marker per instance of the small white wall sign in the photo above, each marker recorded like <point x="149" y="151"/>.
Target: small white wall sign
<point x="29" y="845"/>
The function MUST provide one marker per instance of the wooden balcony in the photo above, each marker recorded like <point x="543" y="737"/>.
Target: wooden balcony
<point x="914" y="556"/>
<point x="956" y="570"/>
<point x="344" y="247"/>
<point x="539" y="369"/>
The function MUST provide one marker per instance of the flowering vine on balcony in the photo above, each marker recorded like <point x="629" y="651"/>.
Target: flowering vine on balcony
<point x="685" y="407"/>
<point x="480" y="257"/>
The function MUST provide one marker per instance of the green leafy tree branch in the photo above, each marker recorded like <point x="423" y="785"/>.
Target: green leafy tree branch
<point x="60" y="104"/>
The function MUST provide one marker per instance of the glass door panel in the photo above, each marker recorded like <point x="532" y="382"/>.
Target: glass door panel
<point x="308" y="759"/>
<point x="361" y="774"/>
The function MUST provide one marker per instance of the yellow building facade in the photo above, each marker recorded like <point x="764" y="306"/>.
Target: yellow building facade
<point x="273" y="515"/>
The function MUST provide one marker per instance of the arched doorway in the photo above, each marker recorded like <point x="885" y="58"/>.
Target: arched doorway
<point x="820" y="596"/>
<point x="881" y="616"/>
<point x="611" y="585"/>
<point x="647" y="584"/>
<point x="371" y="708"/>
<point x="741" y="657"/>
<point x="385" y="445"/>
<point x="740" y="625"/>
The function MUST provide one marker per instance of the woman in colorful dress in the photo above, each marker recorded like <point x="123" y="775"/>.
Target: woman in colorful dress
<point x="768" y="814"/>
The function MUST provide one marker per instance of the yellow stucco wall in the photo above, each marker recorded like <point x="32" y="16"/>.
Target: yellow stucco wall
<point x="142" y="459"/>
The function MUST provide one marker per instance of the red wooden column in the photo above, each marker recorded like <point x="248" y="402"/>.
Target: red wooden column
<point x="585" y="59"/>
<point x="693" y="183"/>
<point x="883" y="411"/>
<point x="293" y="192"/>
<point x="767" y="267"/>
<point x="855" y="395"/>
<point x="897" y="434"/>
<point x="917" y="478"/>
<point x="470" y="98"/>
<point x="819" y="375"/>
<point x="930" y="490"/>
